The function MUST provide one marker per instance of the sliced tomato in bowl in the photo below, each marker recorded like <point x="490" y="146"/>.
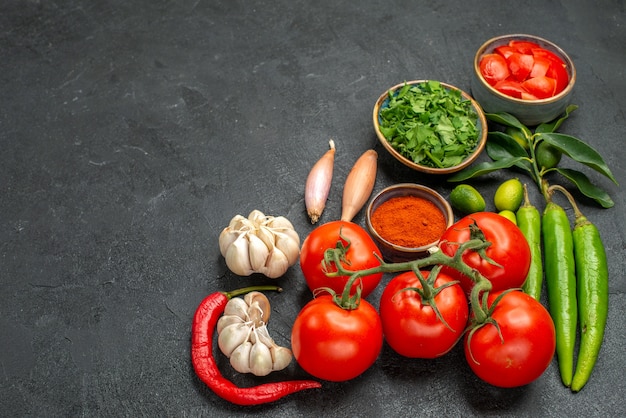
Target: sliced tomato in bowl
<point x="494" y="68"/>
<point x="541" y="87"/>
<point x="505" y="50"/>
<point x="559" y="74"/>
<point x="541" y="65"/>
<point x="520" y="65"/>
<point x="525" y="47"/>
<point x="511" y="88"/>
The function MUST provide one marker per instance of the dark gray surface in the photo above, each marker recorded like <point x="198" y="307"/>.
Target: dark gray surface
<point x="132" y="132"/>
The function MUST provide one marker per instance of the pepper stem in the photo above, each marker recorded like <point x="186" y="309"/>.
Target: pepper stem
<point x="570" y="198"/>
<point x="244" y="290"/>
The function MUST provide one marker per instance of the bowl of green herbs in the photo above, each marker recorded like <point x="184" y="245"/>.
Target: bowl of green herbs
<point x="430" y="126"/>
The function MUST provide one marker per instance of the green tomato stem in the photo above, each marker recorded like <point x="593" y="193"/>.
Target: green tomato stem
<point x="436" y="257"/>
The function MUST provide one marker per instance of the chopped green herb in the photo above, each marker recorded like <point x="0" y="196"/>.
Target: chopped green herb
<point x="430" y="124"/>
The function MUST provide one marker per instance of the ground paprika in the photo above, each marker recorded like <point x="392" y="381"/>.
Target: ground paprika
<point x="409" y="221"/>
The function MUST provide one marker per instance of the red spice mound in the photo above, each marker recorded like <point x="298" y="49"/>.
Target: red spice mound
<point x="409" y="221"/>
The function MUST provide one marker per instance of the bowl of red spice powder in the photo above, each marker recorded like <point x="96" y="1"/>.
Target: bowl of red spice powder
<point x="406" y="220"/>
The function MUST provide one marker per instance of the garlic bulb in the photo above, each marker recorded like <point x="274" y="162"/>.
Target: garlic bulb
<point x="259" y="244"/>
<point x="243" y="336"/>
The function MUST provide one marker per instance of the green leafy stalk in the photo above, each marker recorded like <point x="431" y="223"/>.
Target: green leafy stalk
<point x="429" y="124"/>
<point x="506" y="151"/>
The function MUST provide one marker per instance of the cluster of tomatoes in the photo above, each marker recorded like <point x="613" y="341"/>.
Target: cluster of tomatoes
<point x="524" y="70"/>
<point x="512" y="348"/>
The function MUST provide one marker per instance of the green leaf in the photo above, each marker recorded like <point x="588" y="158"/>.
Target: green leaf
<point x="507" y="146"/>
<point x="501" y="146"/>
<point x="586" y="187"/>
<point x="506" y="119"/>
<point x="555" y="124"/>
<point x="484" y="168"/>
<point x="578" y="151"/>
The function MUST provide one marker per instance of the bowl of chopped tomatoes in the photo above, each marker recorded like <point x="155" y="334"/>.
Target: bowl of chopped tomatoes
<point x="524" y="75"/>
<point x="430" y="126"/>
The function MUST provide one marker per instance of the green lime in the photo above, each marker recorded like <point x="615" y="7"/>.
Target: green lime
<point x="518" y="135"/>
<point x="466" y="199"/>
<point x="509" y="214"/>
<point x="547" y="156"/>
<point x="509" y="195"/>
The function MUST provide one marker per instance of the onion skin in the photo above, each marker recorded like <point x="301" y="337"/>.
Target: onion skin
<point x="318" y="183"/>
<point x="359" y="185"/>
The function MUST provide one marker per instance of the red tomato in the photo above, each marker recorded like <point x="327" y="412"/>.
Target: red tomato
<point x="336" y="344"/>
<point x="541" y="87"/>
<point x="493" y="68"/>
<point x="528" y="96"/>
<point x="525" y="47"/>
<point x="524" y="61"/>
<point x="505" y="50"/>
<point x="508" y="248"/>
<point x="540" y="52"/>
<point x="410" y="325"/>
<point x="540" y="66"/>
<point x="520" y="65"/>
<point x="359" y="256"/>
<point x="523" y="350"/>
<point x="559" y="74"/>
<point x="510" y="87"/>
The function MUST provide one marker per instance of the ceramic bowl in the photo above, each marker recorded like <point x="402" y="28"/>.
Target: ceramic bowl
<point x="392" y="252"/>
<point x="383" y="102"/>
<point x="529" y="112"/>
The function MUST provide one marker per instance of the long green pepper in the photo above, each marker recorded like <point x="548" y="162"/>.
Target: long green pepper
<point x="561" y="284"/>
<point x="529" y="222"/>
<point x="593" y="296"/>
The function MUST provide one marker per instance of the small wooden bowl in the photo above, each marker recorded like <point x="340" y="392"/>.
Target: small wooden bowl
<point x="397" y="253"/>
<point x="382" y="102"/>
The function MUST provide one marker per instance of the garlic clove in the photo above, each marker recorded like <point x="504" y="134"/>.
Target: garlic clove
<point x="276" y="264"/>
<point x="237" y="258"/>
<point x="257" y="252"/>
<point x="240" y="358"/>
<point x="237" y="307"/>
<point x="291" y="233"/>
<point x="280" y="222"/>
<point x="257" y="217"/>
<point x="227" y="237"/>
<point x="232" y="337"/>
<point x="236" y="222"/>
<point x="259" y="309"/>
<point x="227" y="320"/>
<point x="240" y="224"/>
<point x="260" y="359"/>
<point x="281" y="357"/>
<point x="267" y="236"/>
<point x="288" y="246"/>
<point x="262" y="334"/>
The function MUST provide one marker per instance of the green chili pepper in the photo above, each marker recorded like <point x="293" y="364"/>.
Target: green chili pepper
<point x="529" y="221"/>
<point x="560" y="284"/>
<point x="593" y="296"/>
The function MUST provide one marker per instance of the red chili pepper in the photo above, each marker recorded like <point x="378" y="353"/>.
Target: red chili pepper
<point x="204" y="323"/>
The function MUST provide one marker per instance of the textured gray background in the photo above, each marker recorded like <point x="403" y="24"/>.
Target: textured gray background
<point x="132" y="131"/>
